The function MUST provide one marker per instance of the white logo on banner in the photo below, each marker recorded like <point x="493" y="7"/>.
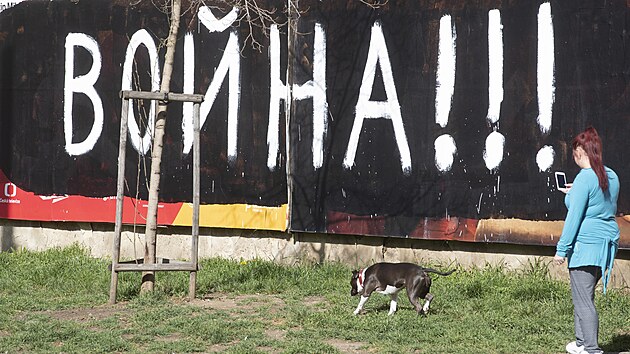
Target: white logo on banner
<point x="10" y="191"/>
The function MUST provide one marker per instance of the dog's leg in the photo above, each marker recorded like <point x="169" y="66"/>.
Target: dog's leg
<point x="427" y="303"/>
<point x="412" y="294"/>
<point x="362" y="302"/>
<point x="393" y="304"/>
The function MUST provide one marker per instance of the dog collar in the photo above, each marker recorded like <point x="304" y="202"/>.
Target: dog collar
<point x="361" y="271"/>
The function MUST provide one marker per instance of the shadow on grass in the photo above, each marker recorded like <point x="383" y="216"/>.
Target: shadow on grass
<point x="619" y="343"/>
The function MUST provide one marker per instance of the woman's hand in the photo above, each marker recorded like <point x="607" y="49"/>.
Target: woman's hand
<point x="558" y="260"/>
<point x="566" y="189"/>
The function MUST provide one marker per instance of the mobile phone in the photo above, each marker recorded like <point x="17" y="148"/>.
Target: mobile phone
<point x="561" y="180"/>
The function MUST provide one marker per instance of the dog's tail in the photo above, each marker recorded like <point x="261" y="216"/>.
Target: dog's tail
<point x="431" y="270"/>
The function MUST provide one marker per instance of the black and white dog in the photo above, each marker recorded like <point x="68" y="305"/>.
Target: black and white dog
<point x="389" y="279"/>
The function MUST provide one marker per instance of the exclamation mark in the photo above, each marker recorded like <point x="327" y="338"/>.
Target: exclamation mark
<point x="445" y="148"/>
<point x="495" y="142"/>
<point x="546" y="82"/>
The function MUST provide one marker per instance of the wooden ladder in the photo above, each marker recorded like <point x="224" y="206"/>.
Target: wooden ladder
<point x="192" y="265"/>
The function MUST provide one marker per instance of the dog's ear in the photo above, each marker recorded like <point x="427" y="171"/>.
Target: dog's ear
<point x="355" y="272"/>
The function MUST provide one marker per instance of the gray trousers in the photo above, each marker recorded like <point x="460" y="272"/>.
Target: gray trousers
<point x="583" y="281"/>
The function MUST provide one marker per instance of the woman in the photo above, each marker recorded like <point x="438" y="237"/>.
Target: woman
<point x="590" y="236"/>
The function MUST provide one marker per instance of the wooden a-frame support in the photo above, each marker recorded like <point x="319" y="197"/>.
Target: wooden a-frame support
<point x="192" y="265"/>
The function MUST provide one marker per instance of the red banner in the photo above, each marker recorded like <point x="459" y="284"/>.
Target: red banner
<point x="16" y="203"/>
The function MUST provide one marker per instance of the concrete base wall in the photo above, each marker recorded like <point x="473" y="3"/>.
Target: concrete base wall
<point x="289" y="248"/>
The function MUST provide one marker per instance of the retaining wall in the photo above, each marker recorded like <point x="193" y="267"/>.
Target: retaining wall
<point x="289" y="248"/>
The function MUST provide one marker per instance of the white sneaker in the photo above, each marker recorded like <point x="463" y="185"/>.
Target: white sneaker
<point x="573" y="348"/>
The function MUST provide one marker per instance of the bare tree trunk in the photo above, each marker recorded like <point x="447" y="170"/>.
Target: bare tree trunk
<point x="148" y="278"/>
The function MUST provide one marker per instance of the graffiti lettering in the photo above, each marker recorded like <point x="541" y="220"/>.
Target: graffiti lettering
<point x="546" y="82"/>
<point x="389" y="109"/>
<point x="142" y="37"/>
<point x="81" y="84"/>
<point x="445" y="147"/>
<point x="495" y="142"/>
<point x="277" y="95"/>
<point x="315" y="89"/>
<point x="231" y="61"/>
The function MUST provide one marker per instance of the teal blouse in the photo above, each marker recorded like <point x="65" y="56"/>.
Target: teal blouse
<point x="590" y="236"/>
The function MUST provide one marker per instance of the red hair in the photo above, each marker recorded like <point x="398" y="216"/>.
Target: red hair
<point x="591" y="143"/>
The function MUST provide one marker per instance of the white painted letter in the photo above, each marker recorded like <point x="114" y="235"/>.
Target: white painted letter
<point x="445" y="80"/>
<point x="495" y="65"/>
<point x="189" y="88"/>
<point x="81" y="84"/>
<point x="493" y="155"/>
<point x="316" y="89"/>
<point x="389" y="109"/>
<point x="545" y="77"/>
<point x="277" y="95"/>
<point x="445" y="150"/>
<point x="141" y="37"/>
<point x="445" y="87"/>
<point x="495" y="142"/>
<point x="231" y="61"/>
<point x="212" y="23"/>
<point x="544" y="158"/>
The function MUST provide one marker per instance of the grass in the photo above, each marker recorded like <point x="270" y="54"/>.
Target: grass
<point x="55" y="301"/>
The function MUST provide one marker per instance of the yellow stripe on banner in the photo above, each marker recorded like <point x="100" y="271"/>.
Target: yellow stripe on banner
<point x="239" y="216"/>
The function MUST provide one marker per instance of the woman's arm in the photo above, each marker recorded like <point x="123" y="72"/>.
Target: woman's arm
<point x="578" y="201"/>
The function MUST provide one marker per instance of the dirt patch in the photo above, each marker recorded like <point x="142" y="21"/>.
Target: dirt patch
<point x="314" y="300"/>
<point x="235" y="305"/>
<point x="345" y="346"/>
<point x="238" y="303"/>
<point x="275" y="334"/>
<point x="169" y="338"/>
<point x="217" y="348"/>
<point x="89" y="313"/>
